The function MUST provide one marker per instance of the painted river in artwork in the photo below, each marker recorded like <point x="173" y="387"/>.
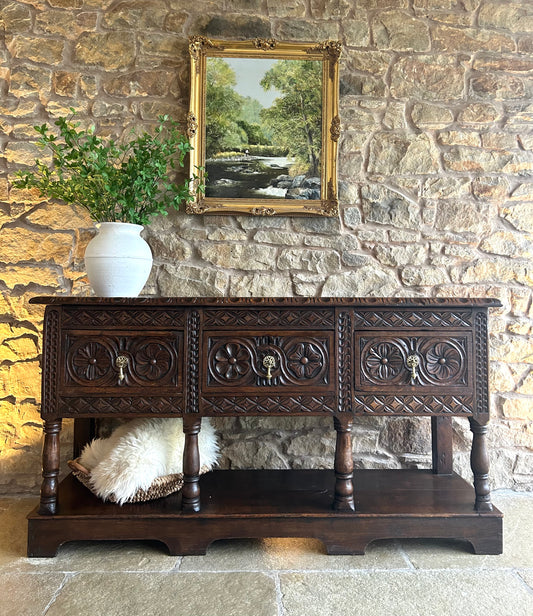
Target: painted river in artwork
<point x="246" y="177"/>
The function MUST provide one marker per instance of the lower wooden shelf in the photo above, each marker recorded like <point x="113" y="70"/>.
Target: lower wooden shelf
<point x="278" y="503"/>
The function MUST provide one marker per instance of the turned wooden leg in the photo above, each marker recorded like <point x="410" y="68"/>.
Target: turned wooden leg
<point x="442" y="445"/>
<point x="191" y="463"/>
<point x="343" y="464"/>
<point x="479" y="461"/>
<point x="48" y="504"/>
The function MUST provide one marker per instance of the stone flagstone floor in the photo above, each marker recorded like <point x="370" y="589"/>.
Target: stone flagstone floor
<point x="275" y="577"/>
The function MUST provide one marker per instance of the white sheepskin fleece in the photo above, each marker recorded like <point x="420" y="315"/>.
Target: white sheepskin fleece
<point x="140" y="451"/>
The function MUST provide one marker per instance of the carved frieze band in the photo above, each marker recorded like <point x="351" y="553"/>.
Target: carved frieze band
<point x="235" y="317"/>
<point x="415" y="318"/>
<point x="80" y="317"/>
<point x="51" y="347"/>
<point x="268" y="405"/>
<point x="481" y="360"/>
<point x="344" y="332"/>
<point x="413" y="405"/>
<point x="122" y="405"/>
<point x="193" y="360"/>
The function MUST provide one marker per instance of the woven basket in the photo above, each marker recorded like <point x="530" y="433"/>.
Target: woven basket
<point x="161" y="486"/>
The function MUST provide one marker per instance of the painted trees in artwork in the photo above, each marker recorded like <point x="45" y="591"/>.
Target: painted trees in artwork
<point x="291" y="124"/>
<point x="295" y="118"/>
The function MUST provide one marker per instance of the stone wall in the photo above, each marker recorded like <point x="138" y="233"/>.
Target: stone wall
<point x="436" y="194"/>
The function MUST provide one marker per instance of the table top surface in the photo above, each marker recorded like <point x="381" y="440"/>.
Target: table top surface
<point x="416" y="302"/>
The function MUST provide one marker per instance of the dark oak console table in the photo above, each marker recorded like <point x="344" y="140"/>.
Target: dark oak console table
<point x="218" y="357"/>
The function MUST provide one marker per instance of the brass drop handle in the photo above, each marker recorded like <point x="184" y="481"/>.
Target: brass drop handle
<point x="269" y="362"/>
<point x="413" y="362"/>
<point x="121" y="362"/>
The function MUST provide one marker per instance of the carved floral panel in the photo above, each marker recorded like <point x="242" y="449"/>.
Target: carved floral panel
<point x="418" y="361"/>
<point x="149" y="360"/>
<point x="268" y="361"/>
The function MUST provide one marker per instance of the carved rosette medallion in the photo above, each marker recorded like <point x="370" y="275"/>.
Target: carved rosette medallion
<point x="89" y="362"/>
<point x="383" y="362"/>
<point x="231" y="361"/>
<point x="305" y="360"/>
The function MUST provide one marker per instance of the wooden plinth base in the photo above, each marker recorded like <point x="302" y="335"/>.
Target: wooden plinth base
<point x="245" y="504"/>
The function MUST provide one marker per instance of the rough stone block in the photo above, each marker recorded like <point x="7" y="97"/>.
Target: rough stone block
<point x="512" y="16"/>
<point x="427" y="77"/>
<point x="27" y="80"/>
<point x="368" y="280"/>
<point x="260" y="285"/>
<point x="236" y="26"/>
<point x="110" y="50"/>
<point x="318" y="261"/>
<point x="402" y="153"/>
<point x="427" y="116"/>
<point x="189" y="281"/>
<point x="21" y="244"/>
<point x="399" y="31"/>
<point x="286" y="8"/>
<point x="16" y="18"/>
<point x="36" y="49"/>
<point x="497" y="87"/>
<point x="136" y="14"/>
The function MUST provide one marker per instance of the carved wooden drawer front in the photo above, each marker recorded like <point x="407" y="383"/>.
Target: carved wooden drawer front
<point x="422" y="362"/>
<point x="123" y="361"/>
<point x="117" y="360"/>
<point x="262" y="362"/>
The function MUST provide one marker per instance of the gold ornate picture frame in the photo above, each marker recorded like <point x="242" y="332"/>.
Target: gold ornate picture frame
<point x="264" y="126"/>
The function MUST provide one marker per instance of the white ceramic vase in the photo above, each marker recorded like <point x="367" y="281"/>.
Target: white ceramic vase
<point x="118" y="260"/>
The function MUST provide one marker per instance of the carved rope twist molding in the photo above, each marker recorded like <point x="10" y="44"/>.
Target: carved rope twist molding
<point x="51" y="344"/>
<point x="481" y="353"/>
<point x="345" y="362"/>
<point x="193" y="361"/>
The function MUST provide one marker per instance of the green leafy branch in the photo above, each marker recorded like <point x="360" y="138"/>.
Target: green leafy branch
<point x="116" y="182"/>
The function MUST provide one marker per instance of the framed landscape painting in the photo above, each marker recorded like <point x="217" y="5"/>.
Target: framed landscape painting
<point x="264" y="126"/>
